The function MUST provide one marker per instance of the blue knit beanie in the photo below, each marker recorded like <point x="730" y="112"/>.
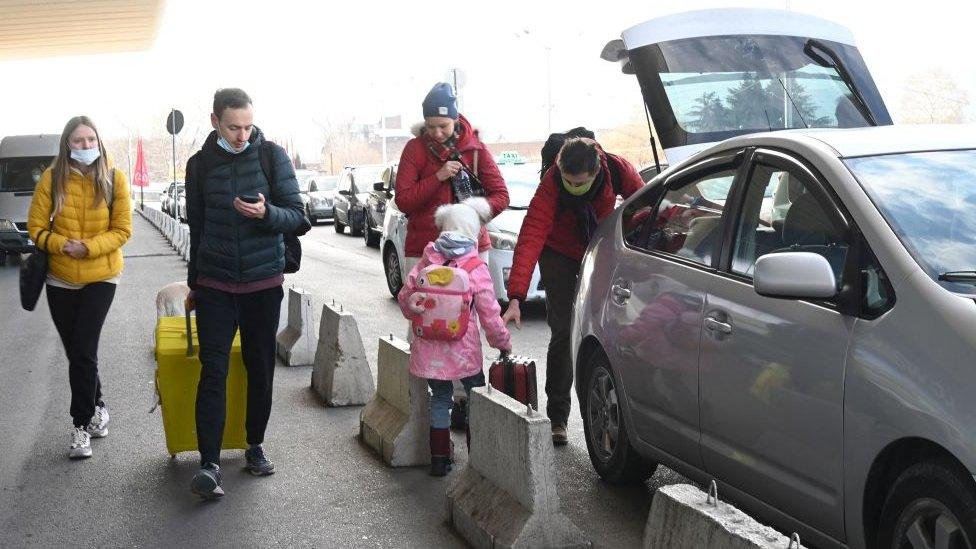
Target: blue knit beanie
<point x="440" y="101"/>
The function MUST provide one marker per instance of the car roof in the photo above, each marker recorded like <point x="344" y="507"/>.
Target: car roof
<point x="878" y="140"/>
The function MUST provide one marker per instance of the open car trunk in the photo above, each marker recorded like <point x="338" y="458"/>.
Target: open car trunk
<point x="714" y="74"/>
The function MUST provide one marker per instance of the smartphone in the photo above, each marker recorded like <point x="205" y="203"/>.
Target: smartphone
<point x="249" y="198"/>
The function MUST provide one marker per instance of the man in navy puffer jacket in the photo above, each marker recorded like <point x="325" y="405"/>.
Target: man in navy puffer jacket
<point x="237" y="218"/>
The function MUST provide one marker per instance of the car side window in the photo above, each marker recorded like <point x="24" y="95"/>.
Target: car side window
<point x="687" y="222"/>
<point x="785" y="211"/>
<point x="877" y="293"/>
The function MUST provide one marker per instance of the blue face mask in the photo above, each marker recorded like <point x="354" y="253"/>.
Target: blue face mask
<point x="224" y="144"/>
<point x="85" y="156"/>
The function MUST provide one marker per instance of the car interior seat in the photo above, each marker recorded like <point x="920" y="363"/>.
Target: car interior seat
<point x="808" y="228"/>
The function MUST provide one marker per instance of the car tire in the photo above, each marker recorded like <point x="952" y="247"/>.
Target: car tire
<point x="607" y="442"/>
<point x="929" y="500"/>
<point x="311" y="219"/>
<point x="339" y="226"/>
<point x="371" y="237"/>
<point x="391" y="266"/>
<point x="355" y="229"/>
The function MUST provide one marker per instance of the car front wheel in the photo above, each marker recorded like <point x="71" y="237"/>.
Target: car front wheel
<point x="930" y="506"/>
<point x="391" y="264"/>
<point x="611" y="453"/>
<point x="339" y="226"/>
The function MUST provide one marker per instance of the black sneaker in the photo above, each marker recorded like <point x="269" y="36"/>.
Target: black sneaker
<point x="257" y="464"/>
<point x="206" y="483"/>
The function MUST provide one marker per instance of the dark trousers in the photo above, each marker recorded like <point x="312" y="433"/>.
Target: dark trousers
<point x="219" y="314"/>
<point x="559" y="275"/>
<point x="79" y="315"/>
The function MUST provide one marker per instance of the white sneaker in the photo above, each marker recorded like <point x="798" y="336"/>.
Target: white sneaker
<point x="98" y="426"/>
<point x="80" y="444"/>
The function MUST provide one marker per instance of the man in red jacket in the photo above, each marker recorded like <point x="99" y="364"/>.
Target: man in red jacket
<point x="444" y="164"/>
<point x="574" y="196"/>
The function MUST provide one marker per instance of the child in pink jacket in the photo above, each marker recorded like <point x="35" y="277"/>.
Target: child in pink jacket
<point x="442" y="361"/>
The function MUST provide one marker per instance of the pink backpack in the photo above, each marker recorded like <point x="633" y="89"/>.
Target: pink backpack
<point x="447" y="303"/>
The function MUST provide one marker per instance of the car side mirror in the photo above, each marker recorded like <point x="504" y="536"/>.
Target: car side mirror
<point x="795" y="275"/>
<point x="344" y="192"/>
<point x="379" y="186"/>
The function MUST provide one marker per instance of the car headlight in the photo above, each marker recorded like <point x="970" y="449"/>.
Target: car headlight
<point x="502" y="240"/>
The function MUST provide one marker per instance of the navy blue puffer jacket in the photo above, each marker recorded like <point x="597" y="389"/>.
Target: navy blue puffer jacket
<point x="224" y="245"/>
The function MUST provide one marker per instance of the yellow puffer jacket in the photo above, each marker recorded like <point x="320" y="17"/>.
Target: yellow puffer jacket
<point x="80" y="219"/>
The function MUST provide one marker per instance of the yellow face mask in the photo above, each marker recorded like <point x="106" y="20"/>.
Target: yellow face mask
<point x="577" y="190"/>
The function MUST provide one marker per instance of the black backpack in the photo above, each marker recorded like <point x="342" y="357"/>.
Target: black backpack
<point x="555" y="142"/>
<point x="293" y="246"/>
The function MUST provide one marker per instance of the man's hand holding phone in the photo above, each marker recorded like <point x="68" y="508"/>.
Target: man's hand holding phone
<point x="250" y="205"/>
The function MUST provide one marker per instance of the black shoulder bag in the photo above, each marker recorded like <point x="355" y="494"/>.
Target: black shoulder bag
<point x="33" y="270"/>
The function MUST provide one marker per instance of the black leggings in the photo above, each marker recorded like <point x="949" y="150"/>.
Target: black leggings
<point x="79" y="315"/>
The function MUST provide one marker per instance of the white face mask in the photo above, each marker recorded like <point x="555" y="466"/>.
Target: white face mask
<point x="85" y="156"/>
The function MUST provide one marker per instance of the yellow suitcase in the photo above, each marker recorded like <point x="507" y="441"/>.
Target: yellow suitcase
<point x="177" y="377"/>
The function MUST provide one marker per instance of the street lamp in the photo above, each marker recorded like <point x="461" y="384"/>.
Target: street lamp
<point x="524" y="33"/>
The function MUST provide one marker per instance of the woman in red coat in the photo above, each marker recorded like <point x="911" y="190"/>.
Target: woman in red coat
<point x="574" y="196"/>
<point x="444" y="164"/>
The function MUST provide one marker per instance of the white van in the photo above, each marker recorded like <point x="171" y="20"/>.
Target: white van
<point x="23" y="158"/>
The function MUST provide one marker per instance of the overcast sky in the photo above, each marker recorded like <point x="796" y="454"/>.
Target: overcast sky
<point x="309" y="64"/>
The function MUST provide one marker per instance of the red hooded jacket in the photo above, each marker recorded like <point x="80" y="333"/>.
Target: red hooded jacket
<point x="546" y="224"/>
<point x="419" y="193"/>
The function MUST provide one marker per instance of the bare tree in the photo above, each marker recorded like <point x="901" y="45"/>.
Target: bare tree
<point x="933" y="97"/>
<point x="631" y="141"/>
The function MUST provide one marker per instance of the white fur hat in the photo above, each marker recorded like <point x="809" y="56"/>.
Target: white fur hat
<point x="465" y="218"/>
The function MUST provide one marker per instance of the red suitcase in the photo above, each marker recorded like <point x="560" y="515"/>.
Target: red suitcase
<point x="515" y="376"/>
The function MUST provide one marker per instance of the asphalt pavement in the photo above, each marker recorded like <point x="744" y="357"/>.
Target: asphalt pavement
<point x="329" y="490"/>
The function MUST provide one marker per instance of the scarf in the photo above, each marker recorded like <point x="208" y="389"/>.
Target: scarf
<point x="582" y="205"/>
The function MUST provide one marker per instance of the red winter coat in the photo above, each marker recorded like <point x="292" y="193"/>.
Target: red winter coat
<point x="546" y="224"/>
<point x="419" y="193"/>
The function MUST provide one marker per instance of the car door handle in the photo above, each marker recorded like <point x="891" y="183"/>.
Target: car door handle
<point x="716" y="326"/>
<point x="620" y="292"/>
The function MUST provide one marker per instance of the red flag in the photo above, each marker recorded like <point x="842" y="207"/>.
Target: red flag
<point x="140" y="178"/>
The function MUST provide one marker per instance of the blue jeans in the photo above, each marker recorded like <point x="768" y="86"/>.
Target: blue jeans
<point x="442" y="398"/>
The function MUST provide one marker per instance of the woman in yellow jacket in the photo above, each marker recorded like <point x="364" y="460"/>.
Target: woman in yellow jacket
<point x="81" y="216"/>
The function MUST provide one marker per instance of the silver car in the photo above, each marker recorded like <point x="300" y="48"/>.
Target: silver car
<point x="813" y="355"/>
<point x="789" y="313"/>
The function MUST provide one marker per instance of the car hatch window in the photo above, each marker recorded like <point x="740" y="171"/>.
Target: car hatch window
<point x="784" y="211"/>
<point x="687" y="220"/>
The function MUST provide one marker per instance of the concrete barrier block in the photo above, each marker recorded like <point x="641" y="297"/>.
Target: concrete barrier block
<point x="682" y="517"/>
<point x="340" y="374"/>
<point x="297" y="344"/>
<point x="171" y="299"/>
<point x="396" y="422"/>
<point x="506" y="495"/>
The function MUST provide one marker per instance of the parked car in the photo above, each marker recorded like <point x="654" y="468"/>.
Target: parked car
<point x="321" y="196"/>
<point x="375" y="207"/>
<point x="353" y="189"/>
<point x="23" y="158"/>
<point x="789" y="313"/>
<point x="522" y="181"/>
<point x="168" y="198"/>
<point x="179" y="206"/>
